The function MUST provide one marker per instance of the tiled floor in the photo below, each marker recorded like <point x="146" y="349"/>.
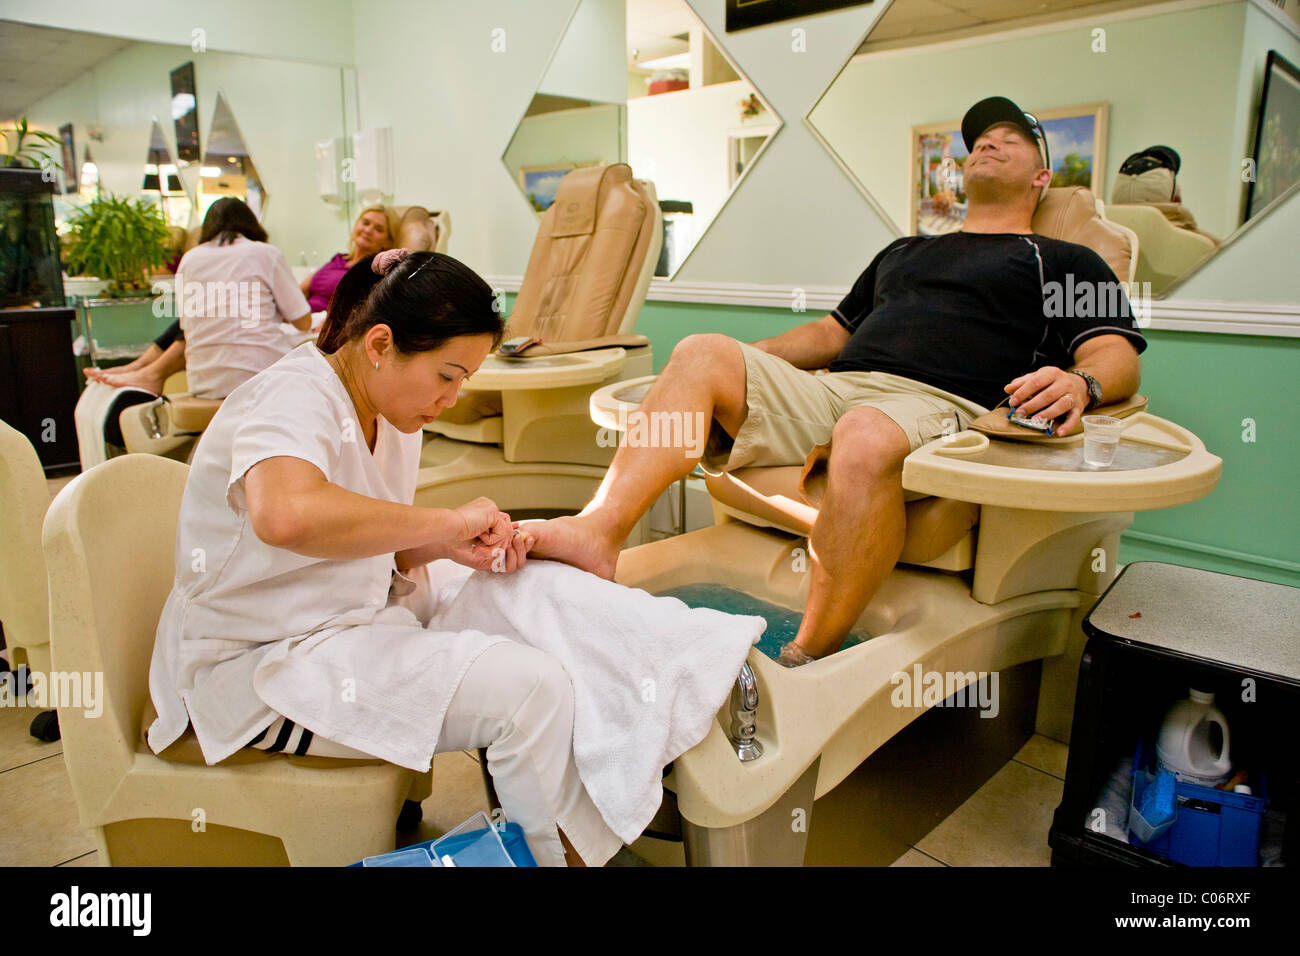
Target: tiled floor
<point x="1004" y="823"/>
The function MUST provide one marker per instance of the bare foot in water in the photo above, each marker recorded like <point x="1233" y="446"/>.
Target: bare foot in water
<point x="140" y="378"/>
<point x="577" y="541"/>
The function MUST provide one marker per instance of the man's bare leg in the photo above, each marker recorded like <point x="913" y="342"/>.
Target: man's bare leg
<point x="706" y="378"/>
<point x="859" y="531"/>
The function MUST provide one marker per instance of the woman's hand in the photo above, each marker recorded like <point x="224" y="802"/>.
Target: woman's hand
<point x="490" y="541"/>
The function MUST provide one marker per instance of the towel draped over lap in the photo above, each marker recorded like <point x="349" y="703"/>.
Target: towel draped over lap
<point x="649" y="673"/>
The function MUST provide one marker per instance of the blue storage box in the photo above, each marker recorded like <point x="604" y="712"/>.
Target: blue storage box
<point x="452" y="844"/>
<point x="1213" y="827"/>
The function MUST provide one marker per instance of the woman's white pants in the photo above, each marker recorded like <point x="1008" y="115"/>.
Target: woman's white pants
<point x="518" y="703"/>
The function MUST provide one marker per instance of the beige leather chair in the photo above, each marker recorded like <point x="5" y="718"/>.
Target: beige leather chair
<point x="521" y="432"/>
<point x="1171" y="244"/>
<point x="421" y="230"/>
<point x="1004" y="555"/>
<point x="24" y="601"/>
<point x="1166" y="250"/>
<point x="251" y="809"/>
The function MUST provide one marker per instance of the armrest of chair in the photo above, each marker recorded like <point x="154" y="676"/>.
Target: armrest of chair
<point x="587" y="345"/>
<point x="498" y="373"/>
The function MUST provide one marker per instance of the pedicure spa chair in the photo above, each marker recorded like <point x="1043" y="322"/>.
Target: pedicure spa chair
<point x="1008" y="546"/>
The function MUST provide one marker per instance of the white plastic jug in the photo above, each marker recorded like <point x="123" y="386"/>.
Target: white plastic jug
<point x="1193" y="741"/>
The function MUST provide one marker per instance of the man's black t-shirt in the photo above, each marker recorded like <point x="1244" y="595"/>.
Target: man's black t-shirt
<point x="969" y="312"/>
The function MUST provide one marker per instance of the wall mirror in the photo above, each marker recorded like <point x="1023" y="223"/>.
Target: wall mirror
<point x="645" y="83"/>
<point x="227" y="168"/>
<point x="162" y="181"/>
<point x="892" y="116"/>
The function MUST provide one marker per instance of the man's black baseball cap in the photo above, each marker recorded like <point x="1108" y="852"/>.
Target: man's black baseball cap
<point x="988" y="112"/>
<point x="1153" y="157"/>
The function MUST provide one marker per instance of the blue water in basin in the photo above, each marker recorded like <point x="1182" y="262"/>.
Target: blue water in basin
<point x="782" y="623"/>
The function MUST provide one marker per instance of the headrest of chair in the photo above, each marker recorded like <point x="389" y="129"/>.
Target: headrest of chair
<point x="578" y="195"/>
<point x="416" y="229"/>
<point x="1152" y="186"/>
<point x="590" y="267"/>
<point x="1070" y="213"/>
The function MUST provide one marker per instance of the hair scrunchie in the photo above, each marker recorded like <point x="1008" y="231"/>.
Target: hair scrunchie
<point x="384" y="261"/>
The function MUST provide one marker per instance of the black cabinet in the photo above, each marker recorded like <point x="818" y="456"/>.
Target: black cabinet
<point x="38" y="381"/>
<point x="1158" y="630"/>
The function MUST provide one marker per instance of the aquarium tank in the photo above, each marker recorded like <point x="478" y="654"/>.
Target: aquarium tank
<point x="30" y="273"/>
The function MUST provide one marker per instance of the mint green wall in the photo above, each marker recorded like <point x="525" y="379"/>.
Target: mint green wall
<point x="1249" y="525"/>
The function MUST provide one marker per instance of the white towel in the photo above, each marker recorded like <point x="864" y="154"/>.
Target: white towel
<point x="649" y="673"/>
<point x="90" y="415"/>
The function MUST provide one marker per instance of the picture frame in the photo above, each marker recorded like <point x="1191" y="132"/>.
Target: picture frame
<point x="69" y="159"/>
<point x="743" y="14"/>
<point x="185" y="114"/>
<point x="1076" y="139"/>
<point x="1276" y="152"/>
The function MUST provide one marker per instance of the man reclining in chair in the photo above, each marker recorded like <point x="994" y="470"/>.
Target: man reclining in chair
<point x="936" y="328"/>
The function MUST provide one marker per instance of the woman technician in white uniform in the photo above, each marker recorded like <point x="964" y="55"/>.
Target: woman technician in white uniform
<point x="295" y="620"/>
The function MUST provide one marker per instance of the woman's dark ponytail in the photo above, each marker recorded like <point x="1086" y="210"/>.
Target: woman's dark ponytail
<point x="426" y="299"/>
<point x="350" y="294"/>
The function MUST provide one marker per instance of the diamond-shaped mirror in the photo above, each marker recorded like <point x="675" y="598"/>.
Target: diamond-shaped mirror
<point x="227" y="168"/>
<point x="162" y="181"/>
<point x="892" y="116"/>
<point x="644" y="83"/>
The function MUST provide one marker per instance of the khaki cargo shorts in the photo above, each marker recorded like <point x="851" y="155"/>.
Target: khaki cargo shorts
<point x="792" y="411"/>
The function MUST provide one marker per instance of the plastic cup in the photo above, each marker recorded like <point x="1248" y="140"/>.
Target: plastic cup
<point x="1100" y="439"/>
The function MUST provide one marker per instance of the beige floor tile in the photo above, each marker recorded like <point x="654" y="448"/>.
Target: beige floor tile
<point x="88" y="859"/>
<point x="17" y="746"/>
<point x="1045" y="754"/>
<point x="915" y="857"/>
<point x="1004" y="823"/>
<point x="38" y="816"/>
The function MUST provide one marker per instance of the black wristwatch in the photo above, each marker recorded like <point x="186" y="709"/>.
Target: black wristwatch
<point x="1094" y="387"/>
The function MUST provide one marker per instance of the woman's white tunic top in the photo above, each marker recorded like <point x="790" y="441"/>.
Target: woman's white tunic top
<point x="251" y="631"/>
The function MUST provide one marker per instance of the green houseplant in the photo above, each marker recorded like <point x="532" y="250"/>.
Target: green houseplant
<point x="118" y="239"/>
<point x="26" y="148"/>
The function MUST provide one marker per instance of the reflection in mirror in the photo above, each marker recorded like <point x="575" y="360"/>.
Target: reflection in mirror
<point x="1195" y="88"/>
<point x="162" y="181"/>
<point x="88" y="179"/>
<point x="661" y="96"/>
<point x="227" y="169"/>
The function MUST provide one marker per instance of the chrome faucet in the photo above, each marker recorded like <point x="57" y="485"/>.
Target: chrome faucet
<point x="744" y="713"/>
<point x="150" y="419"/>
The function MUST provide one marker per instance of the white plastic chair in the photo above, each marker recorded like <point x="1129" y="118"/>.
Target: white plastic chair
<point x="109" y="540"/>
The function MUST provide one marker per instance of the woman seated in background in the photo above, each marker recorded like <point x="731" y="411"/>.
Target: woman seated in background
<point x="302" y="489"/>
<point x="374" y="231"/>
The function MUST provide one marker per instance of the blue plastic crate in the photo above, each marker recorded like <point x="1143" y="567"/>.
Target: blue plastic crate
<point x="512" y="835"/>
<point x="1226" y="835"/>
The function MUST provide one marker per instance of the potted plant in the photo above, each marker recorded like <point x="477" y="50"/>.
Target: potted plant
<point x="121" y="240"/>
<point x="28" y="147"/>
